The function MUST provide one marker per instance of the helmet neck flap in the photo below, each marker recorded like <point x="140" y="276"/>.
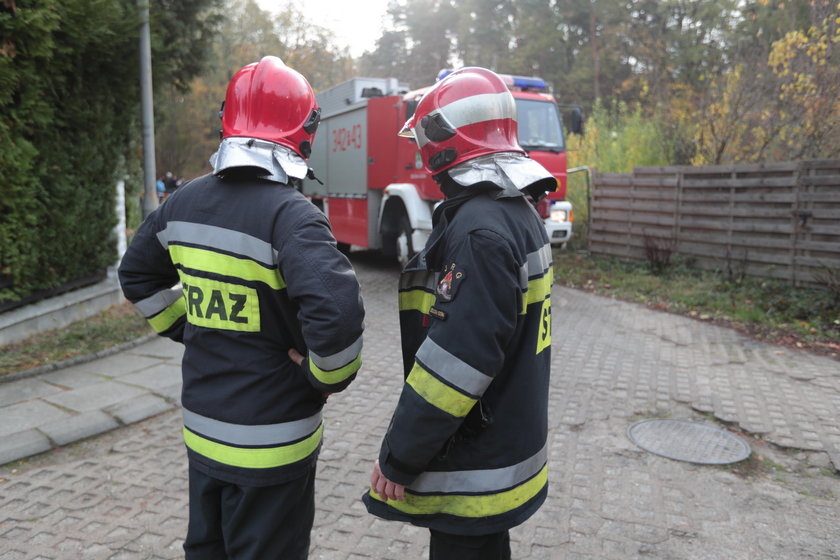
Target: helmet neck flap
<point x="270" y="161"/>
<point x="509" y="171"/>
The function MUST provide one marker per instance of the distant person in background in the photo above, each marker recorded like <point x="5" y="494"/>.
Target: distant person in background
<point x="170" y="183"/>
<point x="161" y="190"/>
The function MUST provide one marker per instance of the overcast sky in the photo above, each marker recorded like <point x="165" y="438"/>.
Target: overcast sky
<point x="356" y="23"/>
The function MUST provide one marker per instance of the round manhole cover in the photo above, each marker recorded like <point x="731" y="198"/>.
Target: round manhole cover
<point x="688" y="441"/>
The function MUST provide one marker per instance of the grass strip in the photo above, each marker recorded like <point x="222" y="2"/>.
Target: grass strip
<point x="768" y="310"/>
<point x="111" y="327"/>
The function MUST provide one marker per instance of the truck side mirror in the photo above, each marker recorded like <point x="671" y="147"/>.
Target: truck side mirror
<point x="576" y="121"/>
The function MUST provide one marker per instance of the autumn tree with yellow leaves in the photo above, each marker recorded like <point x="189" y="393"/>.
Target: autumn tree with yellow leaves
<point x="787" y="108"/>
<point x="187" y="121"/>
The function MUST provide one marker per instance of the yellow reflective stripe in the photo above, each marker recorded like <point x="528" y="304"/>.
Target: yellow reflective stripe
<point x="211" y="261"/>
<point x="538" y="289"/>
<point x="165" y="319"/>
<point x="418" y="300"/>
<point x="254" y="458"/>
<point x="337" y="375"/>
<point x="470" y="505"/>
<point x="439" y="394"/>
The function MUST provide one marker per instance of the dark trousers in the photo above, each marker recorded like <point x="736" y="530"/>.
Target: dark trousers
<point x="232" y="522"/>
<point x="446" y="546"/>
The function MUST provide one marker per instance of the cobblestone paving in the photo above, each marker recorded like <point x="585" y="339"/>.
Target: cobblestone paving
<point x="122" y="495"/>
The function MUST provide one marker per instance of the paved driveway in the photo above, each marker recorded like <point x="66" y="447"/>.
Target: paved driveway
<point x="122" y="495"/>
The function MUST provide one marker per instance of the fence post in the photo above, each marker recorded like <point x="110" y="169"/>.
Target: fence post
<point x="588" y="174"/>
<point x="794" y="218"/>
<point x="630" y="216"/>
<point x="119" y="229"/>
<point x="678" y="208"/>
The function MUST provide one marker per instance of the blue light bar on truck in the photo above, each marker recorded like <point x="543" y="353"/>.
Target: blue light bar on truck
<point x="524" y="82"/>
<point x="443" y="73"/>
<point x="521" y="82"/>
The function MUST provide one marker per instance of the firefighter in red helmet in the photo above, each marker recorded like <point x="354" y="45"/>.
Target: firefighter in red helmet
<point x="465" y="453"/>
<point x="244" y="271"/>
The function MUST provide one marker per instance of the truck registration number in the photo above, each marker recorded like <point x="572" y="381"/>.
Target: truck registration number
<point x="345" y="139"/>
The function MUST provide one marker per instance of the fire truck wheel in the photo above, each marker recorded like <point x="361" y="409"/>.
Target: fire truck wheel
<point x="405" y="248"/>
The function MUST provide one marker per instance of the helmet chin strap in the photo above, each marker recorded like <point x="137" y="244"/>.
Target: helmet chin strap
<point x="448" y="186"/>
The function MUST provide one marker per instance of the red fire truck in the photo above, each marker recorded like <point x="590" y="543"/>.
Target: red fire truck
<point x="374" y="190"/>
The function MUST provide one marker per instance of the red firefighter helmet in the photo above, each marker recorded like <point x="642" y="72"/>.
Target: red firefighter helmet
<point x="270" y="101"/>
<point x="468" y="114"/>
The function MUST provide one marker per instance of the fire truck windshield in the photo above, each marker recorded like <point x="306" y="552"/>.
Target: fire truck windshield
<point x="539" y="125"/>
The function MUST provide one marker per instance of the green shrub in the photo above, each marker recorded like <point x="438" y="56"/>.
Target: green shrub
<point x="616" y="139"/>
<point x="69" y="100"/>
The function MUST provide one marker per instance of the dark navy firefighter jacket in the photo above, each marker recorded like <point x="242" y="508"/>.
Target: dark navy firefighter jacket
<point x="468" y="436"/>
<point x="240" y="271"/>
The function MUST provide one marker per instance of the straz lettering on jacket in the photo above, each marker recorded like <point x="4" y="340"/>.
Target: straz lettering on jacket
<point x="544" y="337"/>
<point x="221" y="305"/>
<point x="537" y="278"/>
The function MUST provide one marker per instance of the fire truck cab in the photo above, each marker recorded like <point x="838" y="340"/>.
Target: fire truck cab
<point x="374" y="190"/>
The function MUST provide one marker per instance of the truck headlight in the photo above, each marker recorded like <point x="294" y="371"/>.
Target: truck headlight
<point x="561" y="215"/>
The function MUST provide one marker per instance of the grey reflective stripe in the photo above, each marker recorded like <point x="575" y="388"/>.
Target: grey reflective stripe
<point x="262" y="434"/>
<point x="216" y="237"/>
<point x="539" y="261"/>
<point x="455" y="371"/>
<point x="339" y="359"/>
<point x="418" y="279"/>
<point x="473" y="109"/>
<point x="485" y="480"/>
<point x="153" y="305"/>
<point x="523" y="277"/>
<point x="536" y="264"/>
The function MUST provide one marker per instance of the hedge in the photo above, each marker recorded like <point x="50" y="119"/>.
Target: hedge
<point x="69" y="120"/>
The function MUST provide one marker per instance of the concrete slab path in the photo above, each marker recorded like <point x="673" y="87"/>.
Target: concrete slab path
<point x="122" y="494"/>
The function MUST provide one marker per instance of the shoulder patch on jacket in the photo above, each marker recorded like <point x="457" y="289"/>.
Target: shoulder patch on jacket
<point x="449" y="284"/>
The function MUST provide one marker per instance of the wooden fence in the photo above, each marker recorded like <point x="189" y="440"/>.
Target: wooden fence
<point x="776" y="220"/>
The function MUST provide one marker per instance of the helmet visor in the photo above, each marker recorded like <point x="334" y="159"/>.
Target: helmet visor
<point x="407" y="130"/>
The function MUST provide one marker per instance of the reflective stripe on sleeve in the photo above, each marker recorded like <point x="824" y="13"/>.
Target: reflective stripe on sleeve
<point x="471" y="506"/>
<point x="417" y="290"/>
<point x="254" y="458"/>
<point x="262" y="434"/>
<point x="336" y="375"/>
<point x="210" y="261"/>
<point x="228" y="240"/>
<point x="153" y="305"/>
<point x="439" y="394"/>
<point x="539" y="261"/>
<point x="339" y="359"/>
<point x="416" y="300"/>
<point x="483" y="480"/>
<point x="539" y="289"/>
<point x="452" y="369"/>
<point x="536" y="264"/>
<point x="164" y="320"/>
<point x="418" y="279"/>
